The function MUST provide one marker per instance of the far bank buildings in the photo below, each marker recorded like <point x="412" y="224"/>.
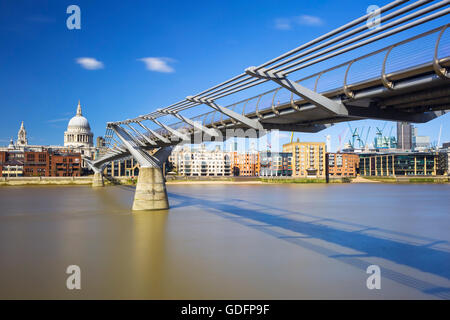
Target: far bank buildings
<point x="20" y="158"/>
<point x="297" y="159"/>
<point x="23" y="159"/>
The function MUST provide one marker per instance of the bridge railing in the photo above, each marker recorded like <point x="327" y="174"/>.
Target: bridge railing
<point x="344" y="77"/>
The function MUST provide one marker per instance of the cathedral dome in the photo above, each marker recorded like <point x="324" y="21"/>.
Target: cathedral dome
<point x="78" y="132"/>
<point x="78" y="123"/>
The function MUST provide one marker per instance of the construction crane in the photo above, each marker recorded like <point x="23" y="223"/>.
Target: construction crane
<point x="358" y="138"/>
<point x="384" y="126"/>
<point x="390" y="137"/>
<point x="367" y="137"/>
<point x="354" y="135"/>
<point x="439" y="137"/>
<point x="379" y="136"/>
<point x="341" y="139"/>
<point x="382" y="141"/>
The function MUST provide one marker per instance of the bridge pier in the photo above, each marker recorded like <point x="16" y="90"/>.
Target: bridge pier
<point x="151" y="191"/>
<point x="97" y="181"/>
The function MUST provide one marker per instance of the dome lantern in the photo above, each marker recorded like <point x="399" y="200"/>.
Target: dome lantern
<point x="79" y="109"/>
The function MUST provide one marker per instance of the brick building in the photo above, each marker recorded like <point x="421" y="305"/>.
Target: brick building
<point x="43" y="163"/>
<point x="245" y="164"/>
<point x="65" y="165"/>
<point x="343" y="164"/>
<point x="2" y="160"/>
<point x="36" y="163"/>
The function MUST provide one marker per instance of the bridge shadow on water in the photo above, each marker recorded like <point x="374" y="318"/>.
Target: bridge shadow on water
<point x="420" y="257"/>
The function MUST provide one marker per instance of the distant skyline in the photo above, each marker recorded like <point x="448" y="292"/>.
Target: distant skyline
<point x="128" y="60"/>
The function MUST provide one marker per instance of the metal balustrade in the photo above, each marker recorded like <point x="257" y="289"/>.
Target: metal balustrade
<point x="353" y="74"/>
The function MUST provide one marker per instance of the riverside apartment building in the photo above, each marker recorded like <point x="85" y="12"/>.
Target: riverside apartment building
<point x="308" y="159"/>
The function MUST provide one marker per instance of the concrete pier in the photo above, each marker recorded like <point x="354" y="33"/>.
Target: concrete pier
<point x="97" y="181"/>
<point x="151" y="191"/>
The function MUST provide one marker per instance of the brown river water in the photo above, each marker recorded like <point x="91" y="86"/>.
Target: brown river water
<point x="227" y="242"/>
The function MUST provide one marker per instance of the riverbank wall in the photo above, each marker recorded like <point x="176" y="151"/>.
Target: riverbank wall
<point x="87" y="180"/>
<point x="21" y="181"/>
<point x="411" y="179"/>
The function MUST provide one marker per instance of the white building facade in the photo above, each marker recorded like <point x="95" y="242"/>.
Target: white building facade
<point x="200" y="162"/>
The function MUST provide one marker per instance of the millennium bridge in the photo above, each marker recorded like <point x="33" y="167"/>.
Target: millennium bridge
<point x="407" y="80"/>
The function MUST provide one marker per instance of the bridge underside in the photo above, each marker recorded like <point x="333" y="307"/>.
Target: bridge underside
<point x="405" y="103"/>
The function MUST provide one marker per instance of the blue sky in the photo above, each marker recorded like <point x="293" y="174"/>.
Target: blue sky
<point x="197" y="44"/>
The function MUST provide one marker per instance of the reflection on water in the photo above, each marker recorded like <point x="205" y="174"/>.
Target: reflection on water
<point x="148" y="252"/>
<point x="227" y="241"/>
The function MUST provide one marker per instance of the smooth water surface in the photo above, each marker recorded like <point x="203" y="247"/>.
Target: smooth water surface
<point x="227" y="242"/>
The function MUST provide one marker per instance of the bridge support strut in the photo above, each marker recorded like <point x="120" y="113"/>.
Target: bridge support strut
<point x="151" y="191"/>
<point x="97" y="181"/>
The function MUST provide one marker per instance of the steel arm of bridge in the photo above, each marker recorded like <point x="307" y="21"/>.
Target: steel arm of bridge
<point x="117" y="150"/>
<point x="393" y="115"/>
<point x="254" y="124"/>
<point x="120" y="149"/>
<point x="98" y="165"/>
<point x="157" y="135"/>
<point x="101" y="163"/>
<point x="114" y="151"/>
<point x="142" y="157"/>
<point x="195" y="124"/>
<point x="312" y="97"/>
<point x="153" y="143"/>
<point x="313" y="128"/>
<point x="96" y="168"/>
<point x="118" y="145"/>
<point x="180" y="135"/>
<point x="163" y="154"/>
<point x="137" y="141"/>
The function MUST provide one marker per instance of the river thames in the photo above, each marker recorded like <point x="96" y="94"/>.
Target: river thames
<point x="287" y="241"/>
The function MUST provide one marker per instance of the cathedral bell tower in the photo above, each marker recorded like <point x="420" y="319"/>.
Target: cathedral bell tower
<point x="22" y="136"/>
